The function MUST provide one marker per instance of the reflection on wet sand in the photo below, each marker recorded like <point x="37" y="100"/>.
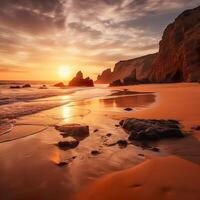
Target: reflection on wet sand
<point x="34" y="161"/>
<point x="128" y="101"/>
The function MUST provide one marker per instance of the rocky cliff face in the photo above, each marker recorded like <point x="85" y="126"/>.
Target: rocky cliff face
<point x="139" y="67"/>
<point x="104" y="77"/>
<point x="178" y="58"/>
<point x="179" y="52"/>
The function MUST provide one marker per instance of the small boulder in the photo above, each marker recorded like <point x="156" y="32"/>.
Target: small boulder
<point x="60" y="84"/>
<point x="26" y="86"/>
<point x="69" y="144"/>
<point x="75" y="130"/>
<point x="128" y="109"/>
<point x="62" y="164"/>
<point x="15" y="87"/>
<point x="122" y="143"/>
<point x="95" y="152"/>
<point x="147" y="129"/>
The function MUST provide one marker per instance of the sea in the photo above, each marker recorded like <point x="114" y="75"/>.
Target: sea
<point x="42" y="95"/>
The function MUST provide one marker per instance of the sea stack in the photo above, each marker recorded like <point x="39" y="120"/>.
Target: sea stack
<point x="79" y="81"/>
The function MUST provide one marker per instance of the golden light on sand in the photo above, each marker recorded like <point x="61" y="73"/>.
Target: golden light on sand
<point x="64" y="72"/>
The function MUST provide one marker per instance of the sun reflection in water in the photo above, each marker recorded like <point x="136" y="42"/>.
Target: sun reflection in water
<point x="66" y="112"/>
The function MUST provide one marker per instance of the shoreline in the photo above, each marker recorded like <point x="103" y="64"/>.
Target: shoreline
<point x="41" y="149"/>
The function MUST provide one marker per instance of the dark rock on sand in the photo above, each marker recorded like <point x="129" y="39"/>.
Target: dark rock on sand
<point x="109" y="134"/>
<point x="122" y="143"/>
<point x="147" y="129"/>
<point x="62" y="164"/>
<point x="15" y="87"/>
<point x="75" y="130"/>
<point x="95" y="152"/>
<point x="96" y="130"/>
<point x="196" y="128"/>
<point x="26" y="86"/>
<point x="60" y="84"/>
<point x="69" y="144"/>
<point x="79" y="81"/>
<point x="128" y="109"/>
<point x="43" y="87"/>
<point x="156" y="149"/>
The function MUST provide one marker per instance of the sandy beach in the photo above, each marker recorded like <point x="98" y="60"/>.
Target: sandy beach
<point x="30" y="160"/>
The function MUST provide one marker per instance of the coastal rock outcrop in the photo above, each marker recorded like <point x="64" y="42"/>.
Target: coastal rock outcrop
<point x="128" y="71"/>
<point x="104" y="78"/>
<point x="60" y="84"/>
<point x="151" y="129"/>
<point x="179" y="52"/>
<point x="78" y="80"/>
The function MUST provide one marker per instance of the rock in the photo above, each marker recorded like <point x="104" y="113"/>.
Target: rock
<point x="140" y="154"/>
<point x="179" y="52"/>
<point x="60" y="84"/>
<point x="155" y="149"/>
<point x="95" y="152"/>
<point x="43" y="87"/>
<point x="147" y="129"/>
<point x="75" y="130"/>
<point x="104" y="78"/>
<point x="26" y="86"/>
<point x="71" y="144"/>
<point x="178" y="58"/>
<point x="128" y="109"/>
<point x="196" y="128"/>
<point x="15" y="87"/>
<point x="62" y="164"/>
<point x="79" y="81"/>
<point x="117" y="82"/>
<point x="95" y="130"/>
<point x="109" y="134"/>
<point x="122" y="143"/>
<point x="128" y="71"/>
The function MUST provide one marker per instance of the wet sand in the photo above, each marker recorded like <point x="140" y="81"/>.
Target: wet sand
<point x="28" y="163"/>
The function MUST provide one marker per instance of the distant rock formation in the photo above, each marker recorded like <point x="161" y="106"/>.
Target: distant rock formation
<point x="137" y="69"/>
<point x="104" y="78"/>
<point x="178" y="58"/>
<point x="60" y="84"/>
<point x="179" y="53"/>
<point x="78" y="80"/>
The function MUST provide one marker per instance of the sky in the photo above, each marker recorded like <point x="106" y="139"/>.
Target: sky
<point x="53" y="39"/>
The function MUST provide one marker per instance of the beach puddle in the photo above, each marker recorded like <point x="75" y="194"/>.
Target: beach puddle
<point x="118" y="103"/>
<point x="133" y="101"/>
<point x="21" y="131"/>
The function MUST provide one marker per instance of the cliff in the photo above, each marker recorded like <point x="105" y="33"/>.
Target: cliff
<point x="179" y="50"/>
<point x="178" y="58"/>
<point x="140" y="67"/>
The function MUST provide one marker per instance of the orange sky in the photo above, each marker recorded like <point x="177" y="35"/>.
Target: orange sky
<point x="37" y="37"/>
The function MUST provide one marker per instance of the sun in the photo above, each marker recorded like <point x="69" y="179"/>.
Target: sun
<point x="64" y="71"/>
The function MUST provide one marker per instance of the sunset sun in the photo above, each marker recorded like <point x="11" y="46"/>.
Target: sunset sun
<point x="64" y="72"/>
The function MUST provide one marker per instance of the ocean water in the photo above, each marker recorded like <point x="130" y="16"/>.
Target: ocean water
<point x="18" y="102"/>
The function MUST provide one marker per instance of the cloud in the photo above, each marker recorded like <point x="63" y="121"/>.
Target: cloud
<point x="85" y="33"/>
<point x="12" y="69"/>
